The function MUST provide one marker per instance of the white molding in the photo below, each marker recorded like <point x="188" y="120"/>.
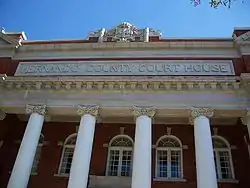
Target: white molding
<point x="128" y="53"/>
<point x="127" y="67"/>
<point x="184" y="147"/>
<point x="241" y="28"/>
<point x="233" y="147"/>
<point x="60" y="143"/>
<point x="170" y="180"/>
<point x="228" y="181"/>
<point x="105" y="145"/>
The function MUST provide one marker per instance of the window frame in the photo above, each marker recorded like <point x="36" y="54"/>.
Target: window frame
<point x="65" y="145"/>
<point x="121" y="149"/>
<point x="38" y="157"/>
<point x="217" y="158"/>
<point x="169" y="149"/>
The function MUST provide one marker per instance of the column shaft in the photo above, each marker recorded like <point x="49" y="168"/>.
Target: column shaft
<point x="205" y="165"/>
<point x="79" y="171"/>
<point x="141" y="174"/>
<point x="21" y="171"/>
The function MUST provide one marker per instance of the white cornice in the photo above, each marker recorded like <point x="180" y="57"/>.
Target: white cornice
<point x="121" y="83"/>
<point x="10" y="40"/>
<point x="132" y="45"/>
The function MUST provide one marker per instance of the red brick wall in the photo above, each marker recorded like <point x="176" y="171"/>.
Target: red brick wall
<point x="246" y="60"/>
<point x="11" y="129"/>
<point x="4" y="65"/>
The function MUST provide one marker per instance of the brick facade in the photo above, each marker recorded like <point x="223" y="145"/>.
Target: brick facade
<point x="12" y="131"/>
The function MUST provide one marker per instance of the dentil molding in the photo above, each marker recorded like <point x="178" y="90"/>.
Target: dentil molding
<point x="121" y="83"/>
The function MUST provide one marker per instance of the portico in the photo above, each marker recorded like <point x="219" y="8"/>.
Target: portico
<point x="144" y="117"/>
<point x="125" y="108"/>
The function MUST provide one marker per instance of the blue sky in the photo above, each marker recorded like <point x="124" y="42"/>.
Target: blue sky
<point x="74" y="19"/>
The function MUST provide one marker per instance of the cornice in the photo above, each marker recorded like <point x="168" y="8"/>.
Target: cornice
<point x="132" y="45"/>
<point x="121" y="83"/>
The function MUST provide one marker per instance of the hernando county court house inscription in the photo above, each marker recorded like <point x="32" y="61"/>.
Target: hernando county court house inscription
<point x="122" y="67"/>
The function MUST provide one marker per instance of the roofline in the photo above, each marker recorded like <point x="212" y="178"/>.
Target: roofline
<point x="88" y="41"/>
<point x="9" y="39"/>
<point x="241" y="28"/>
<point x="17" y="33"/>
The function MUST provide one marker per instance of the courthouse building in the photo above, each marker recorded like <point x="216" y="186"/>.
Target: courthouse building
<point x="125" y="108"/>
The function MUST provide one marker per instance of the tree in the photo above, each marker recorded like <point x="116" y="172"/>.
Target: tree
<point x="216" y="3"/>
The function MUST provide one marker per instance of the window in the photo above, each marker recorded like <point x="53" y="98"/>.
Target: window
<point x="223" y="159"/>
<point x="120" y="156"/>
<point x="37" y="155"/>
<point x="67" y="154"/>
<point x="169" y="158"/>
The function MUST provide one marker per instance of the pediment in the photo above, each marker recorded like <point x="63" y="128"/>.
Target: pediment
<point x="7" y="41"/>
<point x="4" y="42"/>
<point x="243" y="37"/>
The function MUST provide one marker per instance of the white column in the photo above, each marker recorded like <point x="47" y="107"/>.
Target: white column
<point x="79" y="171"/>
<point x="21" y="171"/>
<point x="2" y="115"/>
<point x="146" y="35"/>
<point x="246" y="121"/>
<point x="205" y="165"/>
<point x="141" y="172"/>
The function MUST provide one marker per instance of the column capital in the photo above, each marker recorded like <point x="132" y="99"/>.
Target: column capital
<point x="2" y="115"/>
<point x="143" y="111"/>
<point x="245" y="118"/>
<point x="40" y="109"/>
<point x="196" y="112"/>
<point x="87" y="109"/>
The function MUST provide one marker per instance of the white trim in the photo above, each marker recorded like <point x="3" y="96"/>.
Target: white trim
<point x="39" y="146"/>
<point x="241" y="28"/>
<point x="169" y="149"/>
<point x="63" y="150"/>
<point x="216" y="151"/>
<point x="168" y="136"/>
<point x="228" y="181"/>
<point x="61" y="175"/>
<point x="170" y="179"/>
<point x="121" y="149"/>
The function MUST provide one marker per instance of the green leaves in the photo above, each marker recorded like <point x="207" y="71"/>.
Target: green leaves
<point x="216" y="3"/>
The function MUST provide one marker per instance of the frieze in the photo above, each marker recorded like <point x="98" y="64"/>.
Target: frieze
<point x="127" y="68"/>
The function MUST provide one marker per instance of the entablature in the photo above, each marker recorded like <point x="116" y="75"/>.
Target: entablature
<point x="125" y="83"/>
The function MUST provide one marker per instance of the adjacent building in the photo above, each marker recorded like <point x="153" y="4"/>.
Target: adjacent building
<point x="125" y="108"/>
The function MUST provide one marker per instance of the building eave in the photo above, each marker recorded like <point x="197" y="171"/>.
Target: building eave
<point x="9" y="40"/>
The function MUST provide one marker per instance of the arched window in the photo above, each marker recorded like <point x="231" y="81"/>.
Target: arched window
<point x="120" y="156"/>
<point x="37" y="155"/>
<point x="67" y="154"/>
<point x="169" y="158"/>
<point x="223" y="159"/>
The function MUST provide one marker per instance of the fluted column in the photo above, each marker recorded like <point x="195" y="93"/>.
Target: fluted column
<point x="205" y="165"/>
<point x="79" y="171"/>
<point x="22" y="168"/>
<point x="2" y="115"/>
<point x="141" y="172"/>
